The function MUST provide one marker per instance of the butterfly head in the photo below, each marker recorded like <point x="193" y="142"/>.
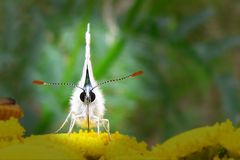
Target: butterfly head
<point x="87" y="95"/>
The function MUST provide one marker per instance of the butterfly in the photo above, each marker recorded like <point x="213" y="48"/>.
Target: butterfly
<point x="87" y="104"/>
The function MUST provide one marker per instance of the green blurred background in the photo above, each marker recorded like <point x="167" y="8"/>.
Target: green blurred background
<point x="189" y="51"/>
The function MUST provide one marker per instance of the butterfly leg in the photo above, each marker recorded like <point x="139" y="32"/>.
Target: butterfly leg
<point x="98" y="126"/>
<point x="69" y="114"/>
<point x="97" y="121"/>
<point x="106" y="126"/>
<point x="73" y="121"/>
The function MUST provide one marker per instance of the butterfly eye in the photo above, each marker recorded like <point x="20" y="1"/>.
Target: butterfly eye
<point x="82" y="96"/>
<point x="92" y="95"/>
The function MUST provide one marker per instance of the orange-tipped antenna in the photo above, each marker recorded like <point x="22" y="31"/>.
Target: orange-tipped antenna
<point x="138" y="73"/>
<point x="119" y="79"/>
<point x="40" y="82"/>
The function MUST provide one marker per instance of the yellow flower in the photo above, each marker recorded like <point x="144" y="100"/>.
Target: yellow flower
<point x="232" y="143"/>
<point x="217" y="142"/>
<point x="80" y="146"/>
<point x="10" y="131"/>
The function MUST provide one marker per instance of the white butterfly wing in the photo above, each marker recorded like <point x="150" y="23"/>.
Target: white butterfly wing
<point x="97" y="106"/>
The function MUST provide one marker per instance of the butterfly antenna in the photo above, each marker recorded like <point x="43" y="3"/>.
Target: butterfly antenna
<point x="40" y="82"/>
<point x="119" y="79"/>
